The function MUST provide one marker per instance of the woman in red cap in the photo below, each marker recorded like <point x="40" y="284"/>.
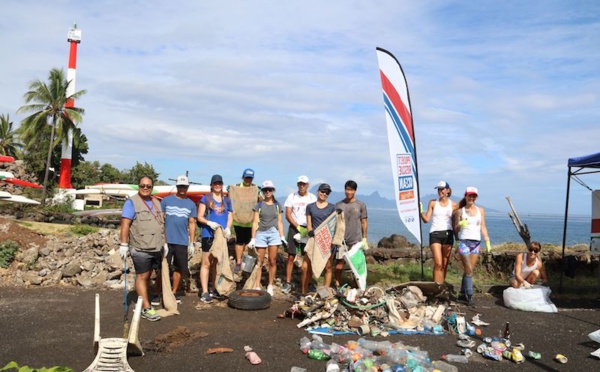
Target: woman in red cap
<point x="441" y="236"/>
<point x="469" y="227"/>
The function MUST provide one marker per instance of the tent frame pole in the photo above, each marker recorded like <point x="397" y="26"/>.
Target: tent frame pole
<point x="564" y="240"/>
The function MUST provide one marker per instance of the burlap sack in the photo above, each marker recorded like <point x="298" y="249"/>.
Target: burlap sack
<point x="224" y="283"/>
<point x="318" y="248"/>
<point x="243" y="200"/>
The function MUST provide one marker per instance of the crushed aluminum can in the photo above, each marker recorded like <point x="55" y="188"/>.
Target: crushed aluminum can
<point x="534" y="355"/>
<point x="467" y="352"/>
<point x="487" y="340"/>
<point x="493" y="355"/>
<point x="482" y="348"/>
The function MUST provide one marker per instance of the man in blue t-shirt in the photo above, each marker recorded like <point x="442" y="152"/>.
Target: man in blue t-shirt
<point x="180" y="229"/>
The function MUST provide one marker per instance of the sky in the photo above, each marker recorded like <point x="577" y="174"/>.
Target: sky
<point x="503" y="93"/>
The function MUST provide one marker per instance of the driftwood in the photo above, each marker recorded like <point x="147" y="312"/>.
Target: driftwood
<point x="523" y="230"/>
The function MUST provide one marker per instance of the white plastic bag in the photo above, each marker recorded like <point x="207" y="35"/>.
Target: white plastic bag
<point x="535" y="299"/>
<point x="595" y="336"/>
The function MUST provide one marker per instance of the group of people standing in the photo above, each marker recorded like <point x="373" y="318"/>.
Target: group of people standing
<point x="151" y="230"/>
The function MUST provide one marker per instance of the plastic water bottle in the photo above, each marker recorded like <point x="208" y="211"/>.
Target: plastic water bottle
<point x="455" y="358"/>
<point x="317" y="354"/>
<point x="317" y="343"/>
<point x="444" y="367"/>
<point x="332" y="366"/>
<point x="298" y="369"/>
<point x="304" y="344"/>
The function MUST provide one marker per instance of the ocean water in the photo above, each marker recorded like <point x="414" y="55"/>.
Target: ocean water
<point x="545" y="228"/>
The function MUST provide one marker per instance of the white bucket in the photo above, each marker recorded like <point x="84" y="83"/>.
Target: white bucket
<point x="78" y="204"/>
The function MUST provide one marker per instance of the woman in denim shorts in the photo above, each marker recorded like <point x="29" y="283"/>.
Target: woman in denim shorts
<point x="267" y="232"/>
<point x="469" y="225"/>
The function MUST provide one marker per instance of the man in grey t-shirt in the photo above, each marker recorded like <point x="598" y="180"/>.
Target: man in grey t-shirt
<point x="355" y="217"/>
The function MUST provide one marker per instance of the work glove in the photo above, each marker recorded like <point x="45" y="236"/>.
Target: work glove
<point x="298" y="237"/>
<point x="526" y="285"/>
<point x="488" y="246"/>
<point x="463" y="223"/>
<point x="303" y="231"/>
<point x="213" y="225"/>
<point x="283" y="241"/>
<point x="123" y="250"/>
<point x="227" y="233"/>
<point x="421" y="206"/>
<point x="191" y="249"/>
<point x="456" y="244"/>
<point x="165" y="250"/>
<point x="339" y="210"/>
<point x="365" y="244"/>
<point x="252" y="243"/>
<point x="311" y="234"/>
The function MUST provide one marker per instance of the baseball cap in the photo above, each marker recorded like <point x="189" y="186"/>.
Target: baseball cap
<point x="216" y="178"/>
<point x="268" y="184"/>
<point x="182" y="181"/>
<point x="442" y="185"/>
<point x="471" y="191"/>
<point x="303" y="179"/>
<point x="325" y="188"/>
<point x="248" y="173"/>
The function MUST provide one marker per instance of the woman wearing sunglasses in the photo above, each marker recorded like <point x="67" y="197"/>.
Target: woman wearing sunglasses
<point x="469" y="227"/>
<point x="441" y="236"/>
<point x="267" y="232"/>
<point x="528" y="268"/>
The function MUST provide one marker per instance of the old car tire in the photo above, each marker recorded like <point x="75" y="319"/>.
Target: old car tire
<point x="249" y="299"/>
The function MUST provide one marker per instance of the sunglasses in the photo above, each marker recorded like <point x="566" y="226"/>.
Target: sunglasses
<point x="268" y="189"/>
<point x="535" y="250"/>
<point x="145" y="186"/>
<point x="325" y="192"/>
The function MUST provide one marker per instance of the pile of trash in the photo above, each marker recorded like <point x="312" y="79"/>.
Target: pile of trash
<point x="366" y="355"/>
<point x="375" y="311"/>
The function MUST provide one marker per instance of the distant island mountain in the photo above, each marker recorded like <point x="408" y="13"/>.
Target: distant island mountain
<point x="377" y="201"/>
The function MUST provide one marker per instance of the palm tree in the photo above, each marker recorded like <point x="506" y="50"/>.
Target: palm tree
<point x="9" y="145"/>
<point x="48" y="107"/>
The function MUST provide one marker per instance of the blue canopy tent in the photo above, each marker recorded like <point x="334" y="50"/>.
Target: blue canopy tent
<point x="580" y="165"/>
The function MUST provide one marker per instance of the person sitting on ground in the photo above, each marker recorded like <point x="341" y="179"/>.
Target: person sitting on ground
<point x="528" y="268"/>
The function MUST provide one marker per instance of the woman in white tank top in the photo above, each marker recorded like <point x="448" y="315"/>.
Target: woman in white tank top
<point x="469" y="227"/>
<point x="441" y="236"/>
<point x="528" y="268"/>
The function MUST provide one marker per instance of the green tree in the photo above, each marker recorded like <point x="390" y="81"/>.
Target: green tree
<point x="138" y="171"/>
<point x="86" y="173"/>
<point x="48" y="108"/>
<point x="111" y="174"/>
<point x="9" y="144"/>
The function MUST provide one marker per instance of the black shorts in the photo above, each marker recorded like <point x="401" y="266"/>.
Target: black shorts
<point x="242" y="235"/>
<point x="441" y="237"/>
<point x="178" y="258"/>
<point x="292" y="244"/>
<point x="144" y="261"/>
<point x="207" y="244"/>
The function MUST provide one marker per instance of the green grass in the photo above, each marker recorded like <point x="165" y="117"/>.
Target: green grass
<point x="81" y="230"/>
<point x="8" y="250"/>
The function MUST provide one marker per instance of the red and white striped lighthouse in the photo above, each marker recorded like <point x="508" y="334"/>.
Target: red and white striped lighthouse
<point x="74" y="38"/>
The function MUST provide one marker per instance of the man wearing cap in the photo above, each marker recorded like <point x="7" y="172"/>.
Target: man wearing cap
<point x="355" y="217"/>
<point x="180" y="229"/>
<point x="244" y="197"/>
<point x="295" y="214"/>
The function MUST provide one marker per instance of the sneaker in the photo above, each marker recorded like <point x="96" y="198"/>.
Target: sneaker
<point x="214" y="294"/>
<point x="237" y="268"/>
<point x="286" y="287"/>
<point x="150" y="314"/>
<point x="312" y="288"/>
<point x="177" y="299"/>
<point x="206" y="298"/>
<point x="471" y="302"/>
<point x="270" y="289"/>
<point x="156" y="301"/>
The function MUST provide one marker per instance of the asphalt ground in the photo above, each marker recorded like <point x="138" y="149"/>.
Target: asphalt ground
<point x="46" y="327"/>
